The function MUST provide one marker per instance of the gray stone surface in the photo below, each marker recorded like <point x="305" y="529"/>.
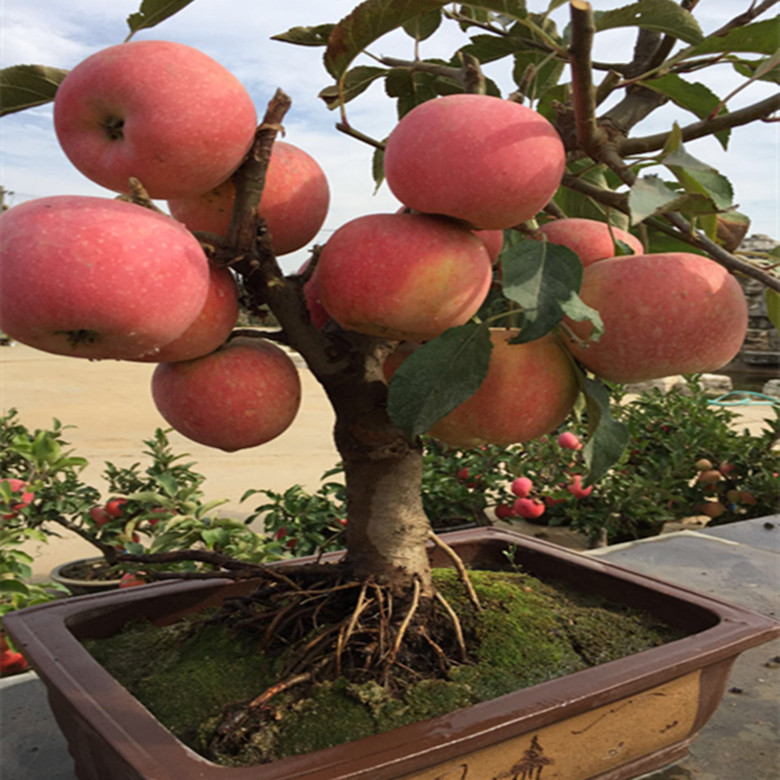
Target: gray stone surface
<point x="741" y="564"/>
<point x="31" y="745"/>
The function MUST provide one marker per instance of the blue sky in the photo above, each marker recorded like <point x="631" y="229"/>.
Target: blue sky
<point x="237" y="33"/>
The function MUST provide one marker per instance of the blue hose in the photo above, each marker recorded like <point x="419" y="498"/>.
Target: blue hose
<point x="764" y="399"/>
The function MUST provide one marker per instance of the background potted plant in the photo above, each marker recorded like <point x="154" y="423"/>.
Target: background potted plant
<point x="557" y="321"/>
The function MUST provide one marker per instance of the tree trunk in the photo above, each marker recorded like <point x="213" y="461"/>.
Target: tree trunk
<point x="387" y="529"/>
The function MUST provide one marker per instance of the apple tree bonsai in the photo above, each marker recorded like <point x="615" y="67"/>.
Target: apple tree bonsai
<point x="406" y="320"/>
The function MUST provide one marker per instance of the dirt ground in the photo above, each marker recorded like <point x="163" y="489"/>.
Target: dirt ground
<point x="110" y="406"/>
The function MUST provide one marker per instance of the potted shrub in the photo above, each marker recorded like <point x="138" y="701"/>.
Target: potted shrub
<point x="478" y="353"/>
<point x="148" y="510"/>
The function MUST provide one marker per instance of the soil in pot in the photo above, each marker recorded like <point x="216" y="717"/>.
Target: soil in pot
<point x="206" y="680"/>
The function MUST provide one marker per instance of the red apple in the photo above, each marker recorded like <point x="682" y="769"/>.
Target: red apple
<point x="294" y="203"/>
<point x="491" y="162"/>
<point x="312" y="295"/>
<point x="529" y="390"/>
<point x="589" y="239"/>
<point x="493" y="241"/>
<point x="159" y="111"/>
<point x="242" y="395"/>
<point x="97" y="278"/>
<point x="211" y="327"/>
<point x="403" y="276"/>
<point x="664" y="314"/>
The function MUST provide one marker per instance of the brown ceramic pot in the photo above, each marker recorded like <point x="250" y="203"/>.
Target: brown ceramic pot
<point x="70" y="575"/>
<point x="610" y="722"/>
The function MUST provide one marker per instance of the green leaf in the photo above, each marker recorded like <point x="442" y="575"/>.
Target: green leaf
<point x="410" y="88"/>
<point x="692" y="96"/>
<point x="544" y="279"/>
<point x="649" y="195"/>
<point x="378" y="168"/>
<point x="544" y="71"/>
<point x="763" y="70"/>
<point x="306" y="36"/>
<point x="772" y="298"/>
<point x="438" y="376"/>
<point x="13" y="586"/>
<point x="696" y="176"/>
<point x="152" y="12"/>
<point x="758" y="37"/>
<point x="423" y="26"/>
<point x="664" y="16"/>
<point x="26" y="86"/>
<point x="371" y="19"/>
<point x="575" y="204"/>
<point x="607" y="437"/>
<point x="355" y="82"/>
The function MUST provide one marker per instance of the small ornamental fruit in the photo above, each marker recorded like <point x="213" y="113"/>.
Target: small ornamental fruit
<point x="529" y="508"/>
<point x="97" y="278"/>
<point x="504" y="511"/>
<point x="491" y="162"/>
<point x="116" y="507"/>
<point x="726" y="468"/>
<point x="569" y="441"/>
<point x="24" y="499"/>
<point x="405" y="277"/>
<point x="522" y="487"/>
<point x="663" y="314"/>
<point x="712" y="509"/>
<point x="703" y="464"/>
<point x="244" y="394"/>
<point x="709" y="477"/>
<point x="342" y="521"/>
<point x="294" y="202"/>
<point x="746" y="497"/>
<point x="462" y="475"/>
<point x="733" y="496"/>
<point x="131" y="579"/>
<point x="11" y="662"/>
<point x="99" y="516"/>
<point x="161" y="112"/>
<point x="575" y="487"/>
<point x="589" y="239"/>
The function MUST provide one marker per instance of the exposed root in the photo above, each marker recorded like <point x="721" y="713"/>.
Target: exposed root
<point x="460" y="568"/>
<point x="456" y="624"/>
<point x="323" y="624"/>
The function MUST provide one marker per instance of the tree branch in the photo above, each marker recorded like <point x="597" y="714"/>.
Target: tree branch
<point x="650" y="143"/>
<point x="610" y="157"/>
<point x="589" y="135"/>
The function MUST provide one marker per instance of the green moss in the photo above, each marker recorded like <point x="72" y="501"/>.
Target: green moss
<point x="528" y="632"/>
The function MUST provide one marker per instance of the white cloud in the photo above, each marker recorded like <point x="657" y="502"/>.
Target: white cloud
<point x="237" y="33"/>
